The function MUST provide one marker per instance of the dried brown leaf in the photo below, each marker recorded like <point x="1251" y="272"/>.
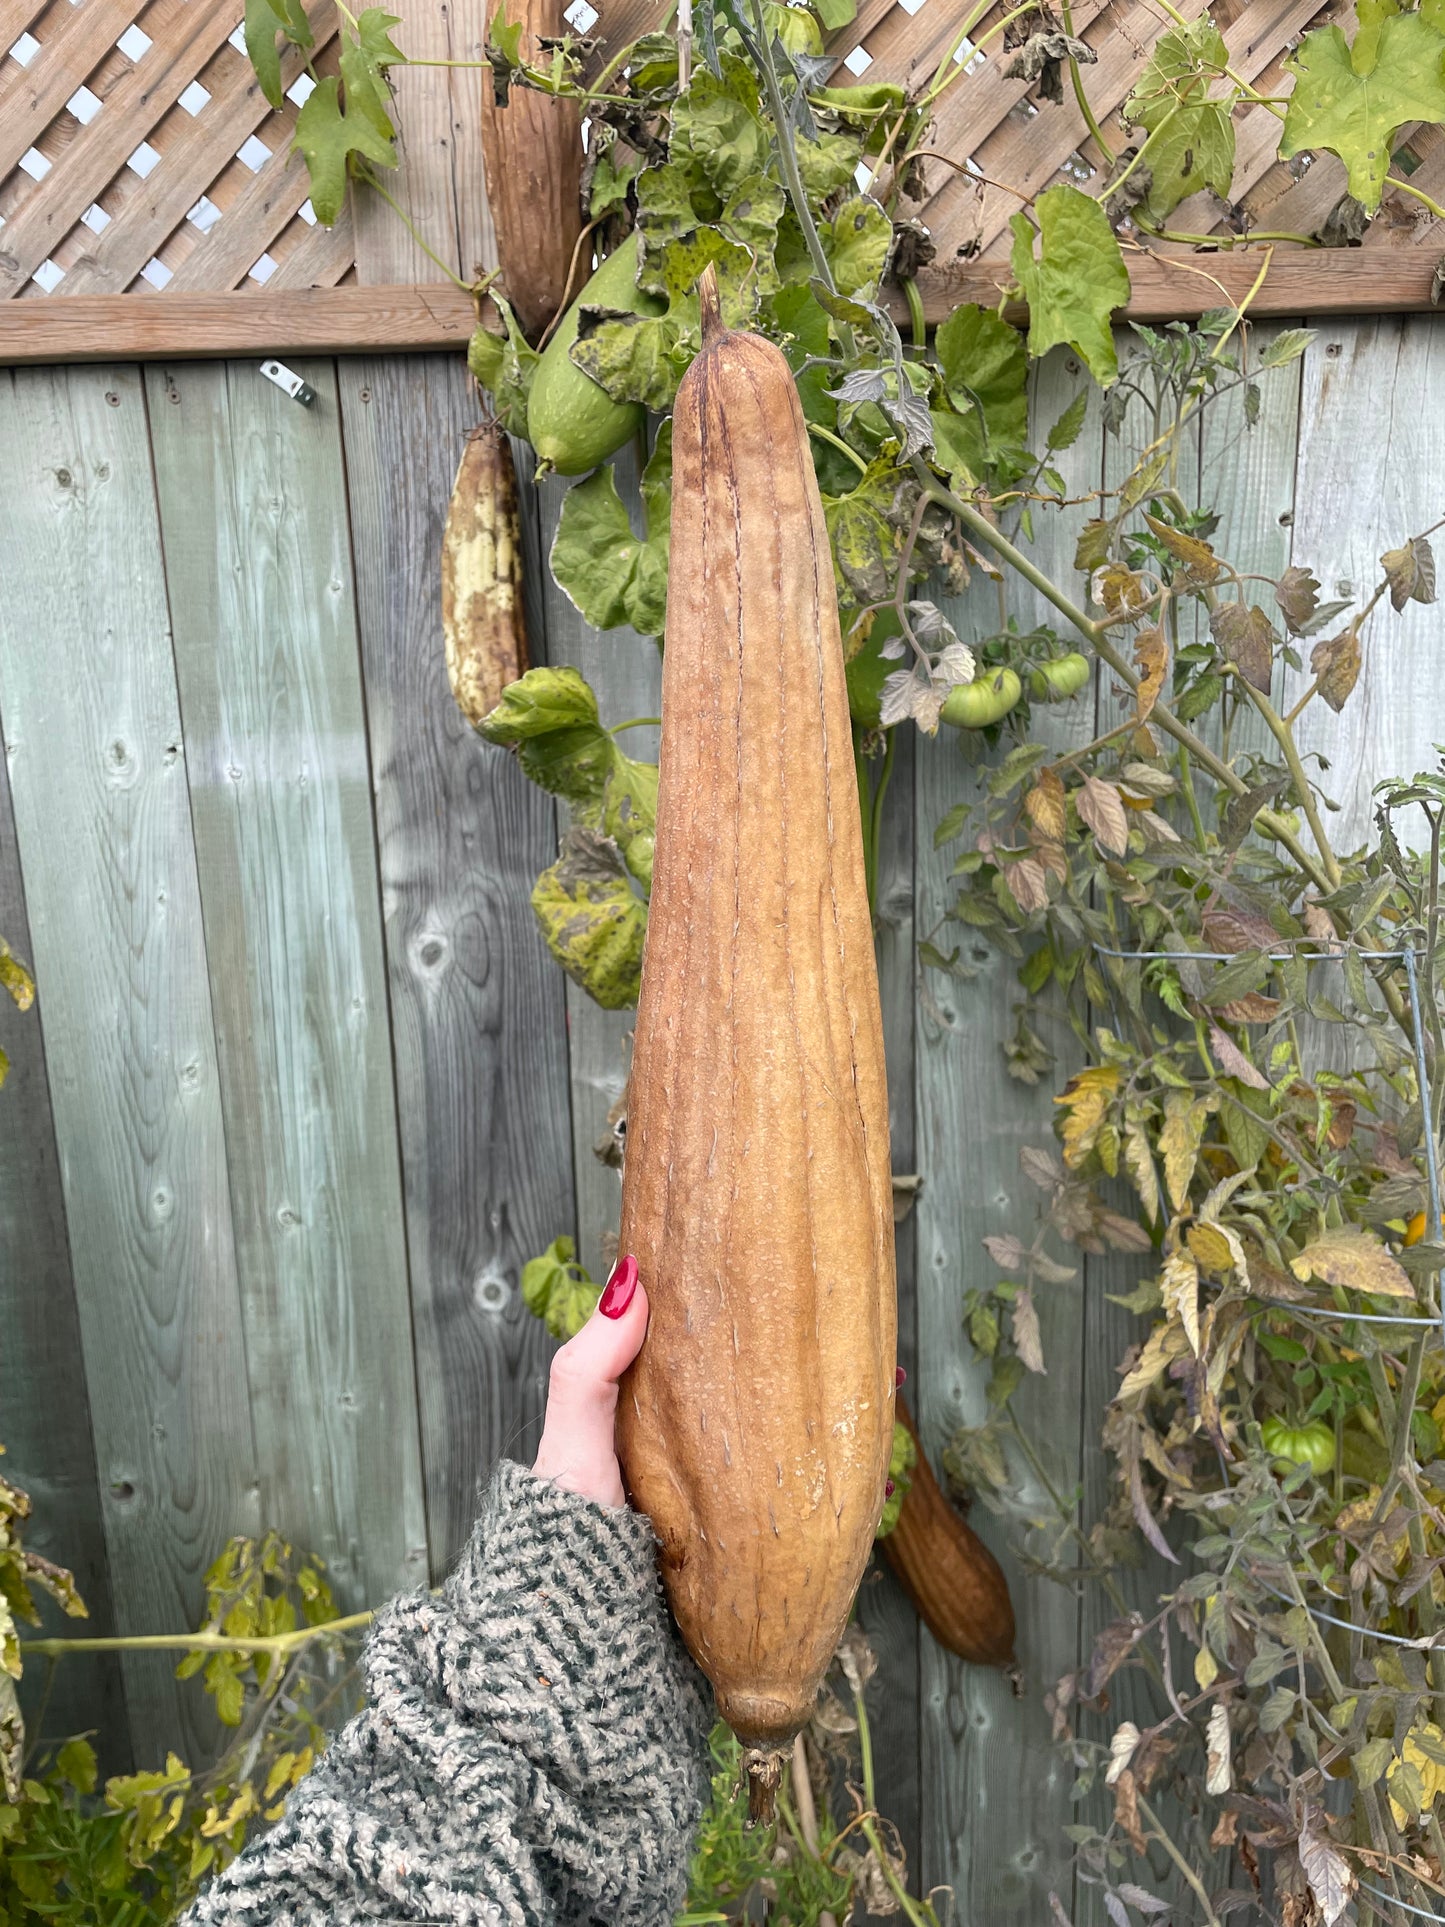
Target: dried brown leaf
<point x="1336" y="665"/>
<point x="1247" y="638"/>
<point x="1028" y="884"/>
<point x="1151" y="658"/>
<point x="1233" y="1062"/>
<point x="1298" y="596"/>
<point x="1126" y="1811"/>
<point x="1410" y="572"/>
<point x="1101" y="807"/>
<point x="1198" y="560"/>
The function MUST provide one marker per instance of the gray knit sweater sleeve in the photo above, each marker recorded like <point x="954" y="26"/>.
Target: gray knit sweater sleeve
<point x="533" y="1750"/>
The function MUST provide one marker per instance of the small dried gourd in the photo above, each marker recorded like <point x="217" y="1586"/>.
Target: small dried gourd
<point x="954" y="1581"/>
<point x="756" y="1426"/>
<point x="484" y="621"/>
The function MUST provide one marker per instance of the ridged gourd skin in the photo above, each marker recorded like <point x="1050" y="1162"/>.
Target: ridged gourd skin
<point x="532" y="155"/>
<point x="756" y="1426"/>
<point x="484" y="618"/>
<point x="953" y="1580"/>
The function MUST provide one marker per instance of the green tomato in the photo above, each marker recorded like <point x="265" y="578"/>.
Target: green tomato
<point x="987" y="699"/>
<point x="1291" y="1445"/>
<point x="1057" y="680"/>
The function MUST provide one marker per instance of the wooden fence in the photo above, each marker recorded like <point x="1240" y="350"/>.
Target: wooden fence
<point x="304" y="1091"/>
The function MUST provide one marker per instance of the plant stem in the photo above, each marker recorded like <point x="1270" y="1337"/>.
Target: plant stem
<point x="807" y="1809"/>
<point x="827" y="435"/>
<point x="1195" y="1884"/>
<point x="1281" y="733"/>
<point x="1408" y="187"/>
<point x="411" y="228"/>
<point x="196" y="1642"/>
<point x="1096" y="634"/>
<point x="1079" y="95"/>
<point x="636" y="722"/>
<point x="915" y="311"/>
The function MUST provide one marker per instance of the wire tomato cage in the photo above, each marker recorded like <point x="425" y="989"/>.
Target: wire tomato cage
<point x="1434" y="1325"/>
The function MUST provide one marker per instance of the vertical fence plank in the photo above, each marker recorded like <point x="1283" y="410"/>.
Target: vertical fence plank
<point x="886" y="1612"/>
<point x="88" y="695"/>
<point x="1368" y="476"/>
<point x="996" y="1791"/>
<point x="1247" y="475"/>
<point x="254" y="531"/>
<point x="477" y="1007"/>
<point x="626" y="671"/>
<point x="44" y="1404"/>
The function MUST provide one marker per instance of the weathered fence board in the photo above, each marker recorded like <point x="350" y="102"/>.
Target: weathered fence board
<point x="477" y="1009"/>
<point x="98" y="771"/>
<point x="258" y="562"/>
<point x="1369" y="476"/>
<point x="44" y="1403"/>
<point x="996" y="1792"/>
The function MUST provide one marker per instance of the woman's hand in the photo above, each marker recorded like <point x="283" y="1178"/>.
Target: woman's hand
<point x="578" y="1449"/>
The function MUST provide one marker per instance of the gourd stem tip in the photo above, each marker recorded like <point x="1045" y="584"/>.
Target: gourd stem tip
<point x="764" y="1768"/>
<point x="709" y="302"/>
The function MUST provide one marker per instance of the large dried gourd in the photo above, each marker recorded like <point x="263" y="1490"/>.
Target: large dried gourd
<point x="484" y="621"/>
<point x="532" y="155"/>
<point x="954" y="1581"/>
<point x="756" y="1426"/>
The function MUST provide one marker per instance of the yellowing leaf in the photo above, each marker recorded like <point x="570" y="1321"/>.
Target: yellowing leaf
<point x="1354" y="1260"/>
<point x="1179" y="1139"/>
<point x="1410" y="570"/>
<point x="1046" y="806"/>
<point x="1215" y="1249"/>
<point x="1179" y="1288"/>
<point x="1139" y="1162"/>
<point x="1354" y="100"/>
<point x="1206" y="1669"/>
<point x="1163" y="1345"/>
<point x="1086" y="1101"/>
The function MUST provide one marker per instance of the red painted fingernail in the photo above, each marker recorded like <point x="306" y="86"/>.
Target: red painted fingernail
<point x="889" y="1489"/>
<point x="617" y="1292"/>
<point x="900" y="1378"/>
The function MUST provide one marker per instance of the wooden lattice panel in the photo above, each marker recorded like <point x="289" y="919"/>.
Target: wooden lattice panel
<point x="1002" y="142"/>
<point x="137" y="154"/>
<point x="138" y="158"/>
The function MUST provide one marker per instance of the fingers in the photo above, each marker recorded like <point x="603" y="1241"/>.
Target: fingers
<point x="578" y="1447"/>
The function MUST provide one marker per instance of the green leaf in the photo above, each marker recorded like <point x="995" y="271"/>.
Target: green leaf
<point x="985" y="372"/>
<point x="858" y="245"/>
<point x="592" y="918"/>
<point x="328" y="138"/>
<point x="558" y="1290"/>
<point x="642" y="358"/>
<point x="1352" y="101"/>
<point x="900" y="1472"/>
<point x="664" y="213"/>
<point x="1076" y="282"/>
<point x="542" y="700"/>
<point x="827" y="164"/>
<point x="75" y="1763"/>
<point x="1070" y="425"/>
<point x="752" y="217"/>
<point x="263" y="21"/>
<point x="610" y="184"/>
<point x="835" y="13"/>
<point x="1288" y="345"/>
<point x="614" y="579"/>
<point x="1191" y="138"/>
<point x="716" y="131"/>
<point x="863" y="529"/>
<point x="365" y="58"/>
<point x="629" y="814"/>
<point x="504" y="365"/>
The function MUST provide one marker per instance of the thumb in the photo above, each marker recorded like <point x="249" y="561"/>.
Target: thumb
<point x="578" y="1447"/>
